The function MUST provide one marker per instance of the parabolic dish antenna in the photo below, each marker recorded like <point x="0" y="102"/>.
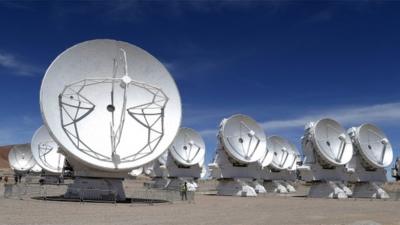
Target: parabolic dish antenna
<point x="188" y="147"/>
<point x="284" y="153"/>
<point x="332" y="142"/>
<point x="36" y="168"/>
<point x="45" y="151"/>
<point x="243" y="138"/>
<point x="110" y="104"/>
<point x="374" y="146"/>
<point x="20" y="157"/>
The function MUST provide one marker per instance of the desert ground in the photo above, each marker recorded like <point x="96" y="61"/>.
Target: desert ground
<point x="206" y="209"/>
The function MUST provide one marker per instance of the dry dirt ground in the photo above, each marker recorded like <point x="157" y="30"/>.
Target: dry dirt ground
<point x="207" y="209"/>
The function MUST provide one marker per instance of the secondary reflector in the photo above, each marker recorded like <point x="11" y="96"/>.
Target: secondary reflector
<point x="110" y="104"/>
<point x="243" y="138"/>
<point x="20" y="157"/>
<point x="45" y="151"/>
<point x="188" y="147"/>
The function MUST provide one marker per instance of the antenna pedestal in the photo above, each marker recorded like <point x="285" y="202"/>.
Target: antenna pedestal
<point x="236" y="187"/>
<point x="235" y="179"/>
<point x="278" y="186"/>
<point x="279" y="181"/>
<point x="91" y="184"/>
<point x="326" y="183"/>
<point x="367" y="183"/>
<point x="328" y="189"/>
<point x="176" y="170"/>
<point x="102" y="189"/>
<point x="369" y="190"/>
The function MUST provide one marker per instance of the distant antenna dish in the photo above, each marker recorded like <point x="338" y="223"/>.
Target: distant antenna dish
<point x="284" y="153"/>
<point x="36" y="168"/>
<point x="188" y="147"/>
<point x="110" y="105"/>
<point x="45" y="151"/>
<point x="374" y="146"/>
<point x="20" y="157"/>
<point x="243" y="138"/>
<point x="332" y="142"/>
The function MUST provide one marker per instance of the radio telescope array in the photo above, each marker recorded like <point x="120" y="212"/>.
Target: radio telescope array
<point x="111" y="107"/>
<point x="327" y="149"/>
<point x="241" y="146"/>
<point x="281" y="170"/>
<point x="111" y="110"/>
<point x="373" y="152"/>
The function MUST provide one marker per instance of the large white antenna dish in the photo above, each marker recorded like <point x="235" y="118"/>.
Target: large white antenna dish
<point x="20" y="157"/>
<point x="284" y="153"/>
<point x="243" y="138"/>
<point x="110" y="105"/>
<point x="373" y="145"/>
<point x="45" y="151"/>
<point x="188" y="147"/>
<point x="332" y="142"/>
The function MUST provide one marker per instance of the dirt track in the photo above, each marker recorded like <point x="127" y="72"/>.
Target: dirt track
<point x="207" y="209"/>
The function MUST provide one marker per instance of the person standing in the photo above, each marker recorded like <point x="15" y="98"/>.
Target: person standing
<point x="184" y="191"/>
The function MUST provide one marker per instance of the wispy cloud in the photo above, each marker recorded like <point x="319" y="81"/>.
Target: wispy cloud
<point x="382" y="113"/>
<point x="17" y="66"/>
<point x="388" y="113"/>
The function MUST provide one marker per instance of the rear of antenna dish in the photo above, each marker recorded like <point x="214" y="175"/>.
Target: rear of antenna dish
<point x="20" y="158"/>
<point x="45" y="151"/>
<point x="331" y="142"/>
<point x="243" y="138"/>
<point x="188" y="148"/>
<point x="373" y="145"/>
<point x="110" y="105"/>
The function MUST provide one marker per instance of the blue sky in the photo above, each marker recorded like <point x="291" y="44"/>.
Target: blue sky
<point x="284" y="63"/>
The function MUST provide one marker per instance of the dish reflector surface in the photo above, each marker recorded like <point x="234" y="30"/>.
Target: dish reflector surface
<point x="110" y="104"/>
<point x="188" y="147"/>
<point x="374" y="146"/>
<point x="243" y="138"/>
<point x="332" y="142"/>
<point x="20" y="157"/>
<point x="284" y="153"/>
<point x="45" y="151"/>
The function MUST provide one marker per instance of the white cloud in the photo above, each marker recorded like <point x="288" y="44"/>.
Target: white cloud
<point x="16" y="66"/>
<point x="383" y="113"/>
